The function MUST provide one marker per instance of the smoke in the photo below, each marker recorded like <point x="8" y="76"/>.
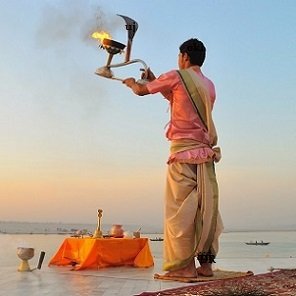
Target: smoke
<point x="65" y="27"/>
<point x="63" y="21"/>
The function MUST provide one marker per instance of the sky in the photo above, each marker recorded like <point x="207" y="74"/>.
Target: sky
<point x="72" y="142"/>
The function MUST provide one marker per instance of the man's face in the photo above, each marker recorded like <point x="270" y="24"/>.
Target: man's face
<point x="182" y="59"/>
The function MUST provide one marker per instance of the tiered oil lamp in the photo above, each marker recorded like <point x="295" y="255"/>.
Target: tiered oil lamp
<point x="114" y="47"/>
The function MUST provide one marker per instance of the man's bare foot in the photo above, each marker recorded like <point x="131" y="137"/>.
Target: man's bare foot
<point x="189" y="272"/>
<point x="205" y="270"/>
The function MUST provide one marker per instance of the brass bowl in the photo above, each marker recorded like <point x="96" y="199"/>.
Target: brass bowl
<point x="25" y="253"/>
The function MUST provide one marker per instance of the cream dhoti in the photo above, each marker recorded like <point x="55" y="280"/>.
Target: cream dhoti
<point x="192" y="220"/>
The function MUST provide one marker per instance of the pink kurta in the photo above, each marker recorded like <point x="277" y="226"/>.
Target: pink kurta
<point x="184" y="123"/>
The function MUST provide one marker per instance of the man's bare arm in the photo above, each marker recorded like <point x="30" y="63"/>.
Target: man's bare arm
<point x="137" y="88"/>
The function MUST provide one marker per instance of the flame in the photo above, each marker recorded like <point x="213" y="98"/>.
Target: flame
<point x="100" y="35"/>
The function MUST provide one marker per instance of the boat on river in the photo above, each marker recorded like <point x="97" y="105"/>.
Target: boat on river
<point x="257" y="243"/>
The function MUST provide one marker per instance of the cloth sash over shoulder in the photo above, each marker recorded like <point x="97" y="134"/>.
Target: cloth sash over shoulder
<point x="208" y="223"/>
<point x="200" y="98"/>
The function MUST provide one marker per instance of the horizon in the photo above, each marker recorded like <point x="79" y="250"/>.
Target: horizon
<point x="149" y="228"/>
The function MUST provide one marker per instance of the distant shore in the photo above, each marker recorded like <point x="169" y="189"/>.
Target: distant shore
<point x="60" y="228"/>
<point x="46" y="228"/>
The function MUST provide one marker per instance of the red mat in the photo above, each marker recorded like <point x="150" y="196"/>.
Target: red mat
<point x="282" y="282"/>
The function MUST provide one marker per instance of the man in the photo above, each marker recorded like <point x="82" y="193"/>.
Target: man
<point x="192" y="220"/>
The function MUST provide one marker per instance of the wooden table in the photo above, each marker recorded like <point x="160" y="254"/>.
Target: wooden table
<point x="92" y="253"/>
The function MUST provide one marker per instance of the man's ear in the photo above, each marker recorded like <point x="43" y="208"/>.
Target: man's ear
<point x="186" y="56"/>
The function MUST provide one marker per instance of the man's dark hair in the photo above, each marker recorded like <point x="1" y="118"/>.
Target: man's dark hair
<point x="195" y="50"/>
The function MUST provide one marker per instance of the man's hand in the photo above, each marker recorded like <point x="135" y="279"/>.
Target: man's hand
<point x="148" y="75"/>
<point x="137" y="88"/>
<point x="129" y="82"/>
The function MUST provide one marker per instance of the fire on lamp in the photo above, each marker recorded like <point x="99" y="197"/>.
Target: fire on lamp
<point x="114" y="47"/>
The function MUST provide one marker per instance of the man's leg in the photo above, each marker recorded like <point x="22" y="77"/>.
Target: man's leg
<point x="211" y="221"/>
<point x="180" y="210"/>
<point x="205" y="261"/>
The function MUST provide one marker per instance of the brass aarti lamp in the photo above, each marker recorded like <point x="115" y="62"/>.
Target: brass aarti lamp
<point x="25" y="254"/>
<point x="98" y="232"/>
<point x="114" y="47"/>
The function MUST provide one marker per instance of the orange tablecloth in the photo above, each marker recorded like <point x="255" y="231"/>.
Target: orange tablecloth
<point x="95" y="253"/>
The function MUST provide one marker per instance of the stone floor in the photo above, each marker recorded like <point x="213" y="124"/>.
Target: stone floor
<point x="62" y="281"/>
<point x="123" y="281"/>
